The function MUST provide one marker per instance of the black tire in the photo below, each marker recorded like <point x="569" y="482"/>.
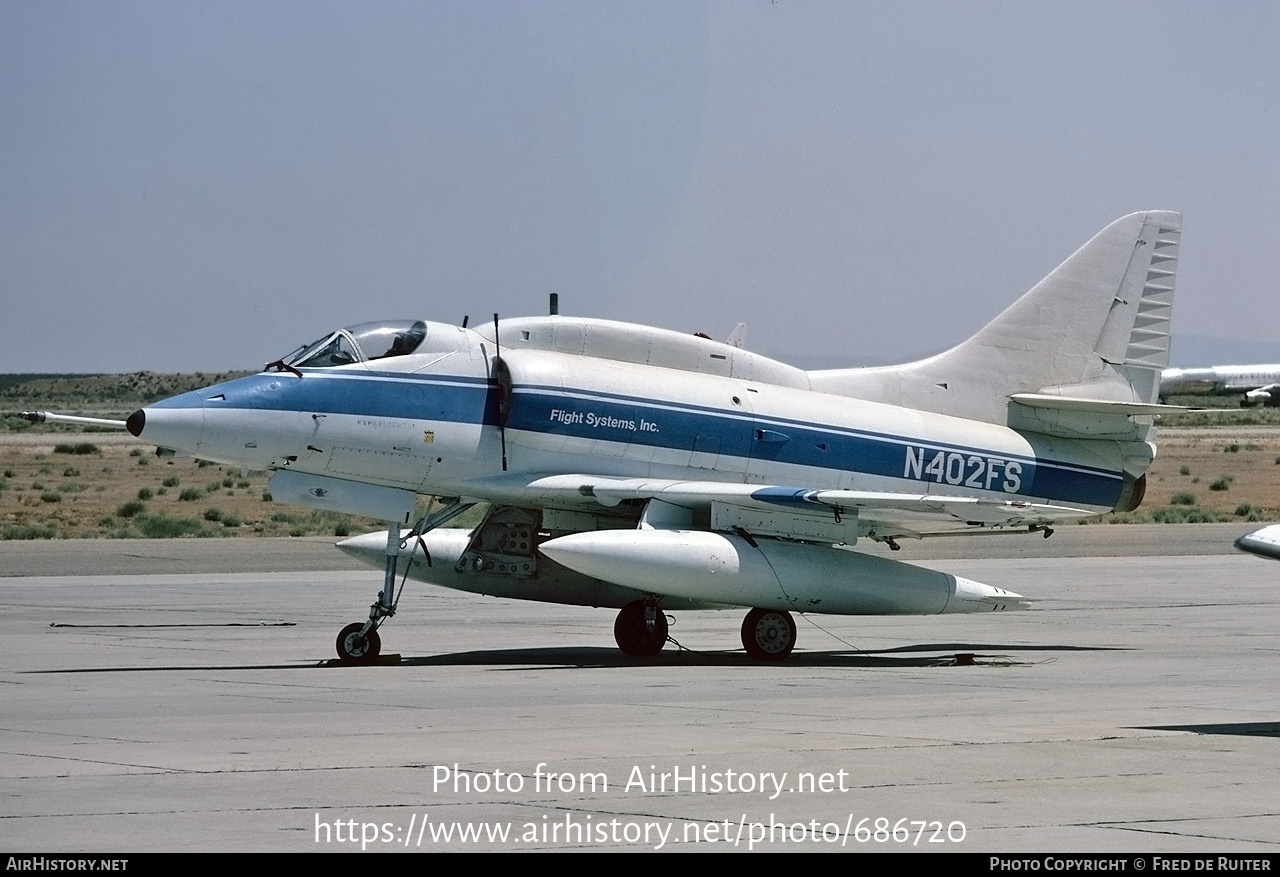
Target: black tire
<point x="630" y="632"/>
<point x="768" y="634"/>
<point x="355" y="649"/>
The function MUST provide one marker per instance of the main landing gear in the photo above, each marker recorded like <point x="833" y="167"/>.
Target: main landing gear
<point x="768" y="634"/>
<point x="640" y="629"/>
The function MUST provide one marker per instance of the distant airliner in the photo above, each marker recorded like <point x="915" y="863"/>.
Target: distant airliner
<point x="1258" y="384"/>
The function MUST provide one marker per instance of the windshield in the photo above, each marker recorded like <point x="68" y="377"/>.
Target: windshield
<point x="360" y="343"/>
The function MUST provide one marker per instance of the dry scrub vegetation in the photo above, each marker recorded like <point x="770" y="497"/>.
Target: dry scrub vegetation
<point x="60" y="482"/>
<point x="1203" y="476"/>
<point x="94" y="489"/>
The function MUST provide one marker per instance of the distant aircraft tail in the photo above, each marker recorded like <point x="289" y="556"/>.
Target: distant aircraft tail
<point x="1078" y="356"/>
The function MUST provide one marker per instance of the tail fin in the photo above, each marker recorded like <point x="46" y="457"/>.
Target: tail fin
<point x="1094" y="330"/>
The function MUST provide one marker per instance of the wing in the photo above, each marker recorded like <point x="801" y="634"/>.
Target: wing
<point x="802" y="513"/>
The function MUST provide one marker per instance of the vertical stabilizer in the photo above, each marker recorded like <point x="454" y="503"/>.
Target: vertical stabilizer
<point x="1096" y="328"/>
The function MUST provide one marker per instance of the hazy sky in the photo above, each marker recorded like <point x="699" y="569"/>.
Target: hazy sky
<point x="200" y="186"/>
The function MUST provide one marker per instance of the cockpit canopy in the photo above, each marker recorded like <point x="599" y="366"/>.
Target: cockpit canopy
<point x="360" y="343"/>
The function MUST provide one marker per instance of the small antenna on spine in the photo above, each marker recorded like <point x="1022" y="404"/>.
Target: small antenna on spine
<point x="555" y="304"/>
<point x="503" y="399"/>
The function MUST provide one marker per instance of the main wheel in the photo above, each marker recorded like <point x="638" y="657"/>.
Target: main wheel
<point x="356" y="649"/>
<point x="633" y="635"/>
<point x="768" y="634"/>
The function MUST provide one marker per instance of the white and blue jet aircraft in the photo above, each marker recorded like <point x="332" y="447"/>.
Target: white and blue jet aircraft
<point x="652" y="471"/>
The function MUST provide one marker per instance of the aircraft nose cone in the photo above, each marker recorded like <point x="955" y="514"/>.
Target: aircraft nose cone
<point x="137" y="420"/>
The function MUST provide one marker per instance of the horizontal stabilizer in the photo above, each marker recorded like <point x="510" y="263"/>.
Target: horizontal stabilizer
<point x="1096" y="406"/>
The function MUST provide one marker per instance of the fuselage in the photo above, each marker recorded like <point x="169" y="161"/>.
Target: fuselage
<point x="440" y="421"/>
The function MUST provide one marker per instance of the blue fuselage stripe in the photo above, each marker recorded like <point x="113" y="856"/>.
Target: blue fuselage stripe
<point x="679" y="426"/>
<point x="454" y="400"/>
<point x="660" y="424"/>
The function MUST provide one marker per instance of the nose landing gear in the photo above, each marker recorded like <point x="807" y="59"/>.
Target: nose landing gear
<point x="358" y="642"/>
<point x="356" y="646"/>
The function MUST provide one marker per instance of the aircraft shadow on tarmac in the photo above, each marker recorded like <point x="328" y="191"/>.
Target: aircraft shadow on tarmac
<point x="1233" y="729"/>
<point x="940" y="655"/>
<point x="593" y="657"/>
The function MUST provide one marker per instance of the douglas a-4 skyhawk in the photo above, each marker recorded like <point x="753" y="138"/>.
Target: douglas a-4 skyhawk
<point x="653" y="471"/>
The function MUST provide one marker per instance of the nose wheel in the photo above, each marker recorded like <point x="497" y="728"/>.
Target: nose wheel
<point x="768" y="634"/>
<point x="355" y="647"/>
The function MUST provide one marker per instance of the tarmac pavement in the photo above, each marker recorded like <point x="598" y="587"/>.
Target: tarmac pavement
<point x="178" y="695"/>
